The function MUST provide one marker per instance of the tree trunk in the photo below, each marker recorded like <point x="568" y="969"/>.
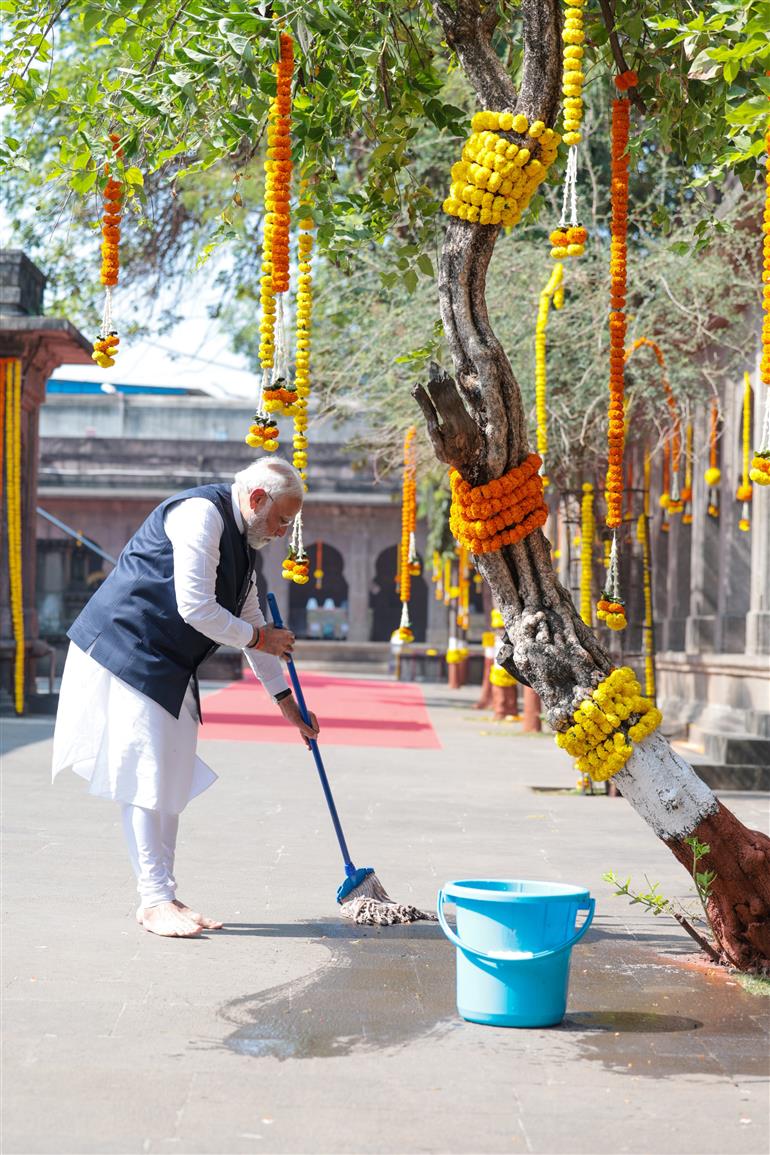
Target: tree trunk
<point x="477" y="425"/>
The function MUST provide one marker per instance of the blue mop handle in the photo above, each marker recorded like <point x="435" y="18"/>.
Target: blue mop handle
<point x="277" y="621"/>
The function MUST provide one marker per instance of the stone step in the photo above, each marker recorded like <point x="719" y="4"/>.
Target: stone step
<point x="737" y="749"/>
<point x="721" y="776"/>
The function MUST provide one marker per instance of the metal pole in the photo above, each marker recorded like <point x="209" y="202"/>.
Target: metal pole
<point x="77" y="536"/>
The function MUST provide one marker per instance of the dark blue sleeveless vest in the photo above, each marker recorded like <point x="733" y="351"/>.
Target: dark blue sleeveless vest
<point x="132" y="620"/>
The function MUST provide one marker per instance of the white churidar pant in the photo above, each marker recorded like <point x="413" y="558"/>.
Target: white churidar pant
<point x="151" y="840"/>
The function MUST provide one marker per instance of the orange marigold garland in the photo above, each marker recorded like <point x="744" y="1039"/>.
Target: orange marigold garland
<point x="276" y="393"/>
<point x="665" y="495"/>
<point x="106" y="344"/>
<point x="713" y="474"/>
<point x="674" y="497"/>
<point x="760" y="464"/>
<point x="744" y="491"/>
<point x="502" y="512"/>
<point x="407" y="552"/>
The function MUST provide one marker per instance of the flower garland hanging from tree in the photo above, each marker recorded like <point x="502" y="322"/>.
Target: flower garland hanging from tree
<point x="713" y="474"/>
<point x="648" y="629"/>
<point x="276" y="395"/>
<point x="759" y="471"/>
<point x="106" y="344"/>
<point x="553" y="291"/>
<point x="617" y="322"/>
<point x="10" y="380"/>
<point x="404" y="633"/>
<point x="744" y="490"/>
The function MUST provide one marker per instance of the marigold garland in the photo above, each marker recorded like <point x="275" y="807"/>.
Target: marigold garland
<point x="303" y="328"/>
<point x="318" y="572"/>
<point x="686" y="494"/>
<point x="713" y="474"/>
<point x="760" y="464"/>
<point x="665" y="496"/>
<point x="617" y="318"/>
<point x="674" y="496"/>
<point x="648" y="629"/>
<point x="553" y="291"/>
<point x="587" y="531"/>
<point x="496" y="177"/>
<point x="488" y="517"/>
<point x="744" y="491"/>
<point x="605" y="725"/>
<point x="296" y="565"/>
<point x="106" y="344"/>
<point x="276" y="395"/>
<point x="10" y="379"/>
<point x="499" y="676"/>
<point x="404" y="632"/>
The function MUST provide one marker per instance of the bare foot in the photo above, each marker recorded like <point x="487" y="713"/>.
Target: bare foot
<point x="167" y="920"/>
<point x="207" y="923"/>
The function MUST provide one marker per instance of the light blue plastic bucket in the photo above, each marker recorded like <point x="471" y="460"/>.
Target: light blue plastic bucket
<point x="514" y="943"/>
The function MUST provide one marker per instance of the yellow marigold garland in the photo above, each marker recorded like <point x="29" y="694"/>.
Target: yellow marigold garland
<point x="744" y="491"/>
<point x="713" y="474"/>
<point x="303" y="328"/>
<point x="496" y="177"/>
<point x="553" y="291"/>
<point x="404" y="633"/>
<point x="11" y="384"/>
<point x="605" y="725"/>
<point x="760" y="464"/>
<point x="687" y="487"/>
<point x="499" y="676"/>
<point x="648" y="629"/>
<point x="502" y="512"/>
<point x="587" y="531"/>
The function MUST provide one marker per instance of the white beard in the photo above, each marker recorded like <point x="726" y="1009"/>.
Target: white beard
<point x="256" y="530"/>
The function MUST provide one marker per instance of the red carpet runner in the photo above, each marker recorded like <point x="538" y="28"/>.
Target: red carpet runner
<point x="351" y="712"/>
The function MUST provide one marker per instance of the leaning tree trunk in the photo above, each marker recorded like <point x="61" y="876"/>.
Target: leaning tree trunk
<point x="476" y="423"/>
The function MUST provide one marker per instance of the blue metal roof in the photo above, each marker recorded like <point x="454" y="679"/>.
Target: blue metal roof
<point x="94" y="387"/>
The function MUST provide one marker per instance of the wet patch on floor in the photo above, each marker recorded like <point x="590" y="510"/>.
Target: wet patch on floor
<point x="384" y="987"/>
<point x="381" y="987"/>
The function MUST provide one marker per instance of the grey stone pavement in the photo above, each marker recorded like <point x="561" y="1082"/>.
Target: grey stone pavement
<point x="293" y="1031"/>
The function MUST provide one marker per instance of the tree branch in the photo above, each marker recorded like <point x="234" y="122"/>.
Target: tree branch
<point x="608" y="16"/>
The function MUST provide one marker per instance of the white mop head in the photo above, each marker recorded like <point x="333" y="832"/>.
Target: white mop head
<point x="370" y="905"/>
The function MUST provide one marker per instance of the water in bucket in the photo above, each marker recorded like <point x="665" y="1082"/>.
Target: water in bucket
<point x="514" y="942"/>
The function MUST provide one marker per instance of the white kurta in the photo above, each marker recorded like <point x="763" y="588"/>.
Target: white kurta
<point x="128" y="747"/>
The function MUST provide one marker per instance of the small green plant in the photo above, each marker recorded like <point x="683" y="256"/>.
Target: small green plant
<point x="657" y="903"/>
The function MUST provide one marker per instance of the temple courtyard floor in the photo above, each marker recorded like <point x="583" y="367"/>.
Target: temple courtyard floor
<point x="294" y="1031"/>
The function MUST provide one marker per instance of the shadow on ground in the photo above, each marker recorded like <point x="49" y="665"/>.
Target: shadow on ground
<point x="386" y="987"/>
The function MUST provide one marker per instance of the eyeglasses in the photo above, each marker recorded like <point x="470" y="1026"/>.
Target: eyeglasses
<point x="285" y="522"/>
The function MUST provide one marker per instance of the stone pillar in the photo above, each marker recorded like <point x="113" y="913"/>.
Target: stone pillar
<point x="41" y="344"/>
<point x="758" y="617"/>
<point x="701" y="624"/>
<point x="735" y="545"/>
<point x="358" y="569"/>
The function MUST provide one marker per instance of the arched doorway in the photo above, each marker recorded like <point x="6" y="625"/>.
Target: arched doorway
<point x="321" y="610"/>
<point x="385" y="603"/>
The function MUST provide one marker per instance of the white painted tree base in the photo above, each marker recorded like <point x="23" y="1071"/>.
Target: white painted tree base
<point x="664" y="789"/>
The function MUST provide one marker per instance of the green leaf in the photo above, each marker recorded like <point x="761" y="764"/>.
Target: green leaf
<point x="133" y="176"/>
<point x="81" y="182"/>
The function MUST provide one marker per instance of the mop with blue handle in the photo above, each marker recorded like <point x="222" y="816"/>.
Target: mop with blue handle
<point x="361" y="896"/>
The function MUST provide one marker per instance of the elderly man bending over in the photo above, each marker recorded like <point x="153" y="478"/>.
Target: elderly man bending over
<point x="129" y="706"/>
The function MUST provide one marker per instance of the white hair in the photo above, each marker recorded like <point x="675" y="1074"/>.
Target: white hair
<point x="273" y="474"/>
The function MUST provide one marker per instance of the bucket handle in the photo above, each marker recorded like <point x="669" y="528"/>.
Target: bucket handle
<point x="512" y="955"/>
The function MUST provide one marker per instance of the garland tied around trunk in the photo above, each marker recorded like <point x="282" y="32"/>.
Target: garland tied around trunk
<point x="713" y="474"/>
<point x="488" y="517"/>
<point x="605" y="725"/>
<point x="106" y="344"/>
<point x="496" y="177"/>
<point x="11" y="430"/>
<point x="760" y="464"/>
<point x="744" y="490"/>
